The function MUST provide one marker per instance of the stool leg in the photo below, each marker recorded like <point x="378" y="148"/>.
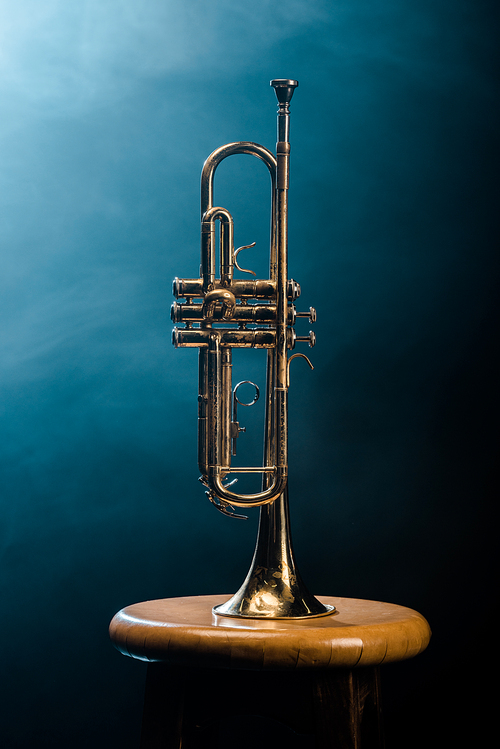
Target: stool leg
<point x="163" y="708"/>
<point x="348" y="709"/>
<point x="171" y="710"/>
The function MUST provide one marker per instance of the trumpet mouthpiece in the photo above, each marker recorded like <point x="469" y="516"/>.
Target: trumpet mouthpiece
<point x="284" y="88"/>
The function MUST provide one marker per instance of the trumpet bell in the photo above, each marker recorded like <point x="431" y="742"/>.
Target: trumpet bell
<point x="273" y="588"/>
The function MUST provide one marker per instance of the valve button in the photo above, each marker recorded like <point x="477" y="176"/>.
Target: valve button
<point x="310" y="339"/>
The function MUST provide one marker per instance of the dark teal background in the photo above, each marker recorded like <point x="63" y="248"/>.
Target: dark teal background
<point x="108" y="112"/>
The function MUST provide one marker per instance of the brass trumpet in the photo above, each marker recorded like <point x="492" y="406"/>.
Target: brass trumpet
<point x="254" y="313"/>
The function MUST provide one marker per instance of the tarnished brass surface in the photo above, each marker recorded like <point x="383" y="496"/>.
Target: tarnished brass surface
<point x="221" y="313"/>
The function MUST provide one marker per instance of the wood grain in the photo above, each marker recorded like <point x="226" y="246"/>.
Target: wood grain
<point x="184" y="631"/>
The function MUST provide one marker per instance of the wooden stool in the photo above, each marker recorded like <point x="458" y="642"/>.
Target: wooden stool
<point x="319" y="677"/>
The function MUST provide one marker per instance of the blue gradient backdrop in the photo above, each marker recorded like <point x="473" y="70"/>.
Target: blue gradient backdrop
<point x="109" y="109"/>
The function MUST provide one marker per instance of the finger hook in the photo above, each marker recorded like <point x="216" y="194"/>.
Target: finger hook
<point x="245" y="247"/>
<point x="295" y="356"/>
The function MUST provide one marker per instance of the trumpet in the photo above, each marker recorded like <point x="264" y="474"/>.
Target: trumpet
<point x="221" y="313"/>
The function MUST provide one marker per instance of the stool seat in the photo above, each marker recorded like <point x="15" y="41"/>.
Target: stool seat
<point x="185" y="632"/>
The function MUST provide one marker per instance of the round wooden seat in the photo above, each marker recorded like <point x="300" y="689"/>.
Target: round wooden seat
<point x="184" y="631"/>
<point x="318" y="677"/>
